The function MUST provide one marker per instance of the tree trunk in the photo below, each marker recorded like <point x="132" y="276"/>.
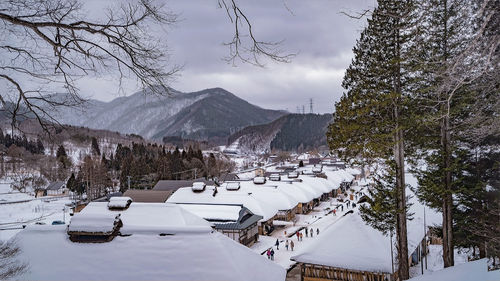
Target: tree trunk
<point x="448" y="256"/>
<point x="399" y="157"/>
<point x="403" y="266"/>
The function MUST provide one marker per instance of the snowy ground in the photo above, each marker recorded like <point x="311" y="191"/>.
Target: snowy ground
<point x="435" y="260"/>
<point x="320" y="218"/>
<point x="18" y="209"/>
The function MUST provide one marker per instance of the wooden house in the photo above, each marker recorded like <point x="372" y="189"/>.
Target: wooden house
<point x="234" y="221"/>
<point x="57" y="188"/>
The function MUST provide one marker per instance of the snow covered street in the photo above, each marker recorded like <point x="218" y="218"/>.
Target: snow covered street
<point x="320" y="218"/>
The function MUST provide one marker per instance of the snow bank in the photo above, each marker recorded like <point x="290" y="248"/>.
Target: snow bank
<point x="204" y="256"/>
<point x="475" y="270"/>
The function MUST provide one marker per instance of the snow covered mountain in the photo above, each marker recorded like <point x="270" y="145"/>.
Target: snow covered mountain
<point x="211" y="114"/>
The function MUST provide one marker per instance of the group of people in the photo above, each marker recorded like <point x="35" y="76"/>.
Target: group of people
<point x="270" y="254"/>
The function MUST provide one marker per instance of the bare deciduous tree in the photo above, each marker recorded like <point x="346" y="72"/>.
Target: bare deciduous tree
<point x="47" y="45"/>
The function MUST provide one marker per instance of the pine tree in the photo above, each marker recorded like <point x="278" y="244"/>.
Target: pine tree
<point x="61" y="152"/>
<point x="370" y="119"/>
<point x="95" y="147"/>
<point x="39" y="146"/>
<point x="439" y="108"/>
<point x="70" y="184"/>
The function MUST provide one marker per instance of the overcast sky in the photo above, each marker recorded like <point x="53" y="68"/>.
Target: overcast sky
<point x="315" y="29"/>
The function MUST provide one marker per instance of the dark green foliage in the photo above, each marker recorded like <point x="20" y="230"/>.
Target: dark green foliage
<point x="61" y="152"/>
<point x="71" y="183"/>
<point x="95" y="147"/>
<point x="301" y="132"/>
<point x="370" y="119"/>
<point x="146" y="164"/>
<point x="33" y="146"/>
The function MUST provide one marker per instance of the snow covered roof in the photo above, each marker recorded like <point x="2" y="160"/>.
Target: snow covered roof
<point x="199" y="256"/>
<point x="320" y="184"/>
<point x="185" y="195"/>
<point x="259" y="180"/>
<point x="198" y="186"/>
<point x="119" y="202"/>
<point x="56" y="185"/>
<point x="474" y="270"/>
<point x="350" y="244"/>
<point x="94" y="223"/>
<point x="295" y="191"/>
<point x="155" y="218"/>
<point x="232" y="185"/>
<point x="337" y="176"/>
<point x="214" y="212"/>
<point x="269" y="194"/>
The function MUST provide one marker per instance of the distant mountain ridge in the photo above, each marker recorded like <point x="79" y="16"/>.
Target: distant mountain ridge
<point x="291" y="132"/>
<point x="210" y="114"/>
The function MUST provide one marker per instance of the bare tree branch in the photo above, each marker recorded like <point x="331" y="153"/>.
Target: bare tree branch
<point x="47" y="45"/>
<point x="244" y="45"/>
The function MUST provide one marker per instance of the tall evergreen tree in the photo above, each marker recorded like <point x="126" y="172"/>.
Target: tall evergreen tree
<point x="439" y="108"/>
<point x="370" y="119"/>
<point x="95" y="147"/>
<point x="61" y="151"/>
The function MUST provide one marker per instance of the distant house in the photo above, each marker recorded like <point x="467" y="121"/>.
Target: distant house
<point x="260" y="172"/>
<point x="234" y="221"/>
<point x="57" y="188"/>
<point x="314" y="161"/>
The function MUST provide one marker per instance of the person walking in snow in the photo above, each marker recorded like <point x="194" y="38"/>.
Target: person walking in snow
<point x="342" y="207"/>
<point x="277" y="244"/>
<point x="298" y="235"/>
<point x="306" y="233"/>
<point x="312" y="232"/>
<point x="317" y="231"/>
<point x="335" y="212"/>
<point x="268" y="254"/>
<point x="301" y="236"/>
<point x="292" y="244"/>
<point x="286" y="245"/>
<point x="272" y="254"/>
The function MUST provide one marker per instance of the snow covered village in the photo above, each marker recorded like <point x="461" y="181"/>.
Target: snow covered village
<point x="250" y="140"/>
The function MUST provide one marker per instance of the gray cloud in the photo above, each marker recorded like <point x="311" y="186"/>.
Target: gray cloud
<point x="322" y="37"/>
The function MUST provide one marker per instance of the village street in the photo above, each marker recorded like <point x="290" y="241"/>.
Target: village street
<point x="320" y="218"/>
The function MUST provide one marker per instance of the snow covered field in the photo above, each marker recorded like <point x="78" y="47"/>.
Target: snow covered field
<point x="18" y="209"/>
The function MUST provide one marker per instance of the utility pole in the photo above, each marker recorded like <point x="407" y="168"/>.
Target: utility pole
<point x="311" y="105"/>
<point x="303" y="109"/>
